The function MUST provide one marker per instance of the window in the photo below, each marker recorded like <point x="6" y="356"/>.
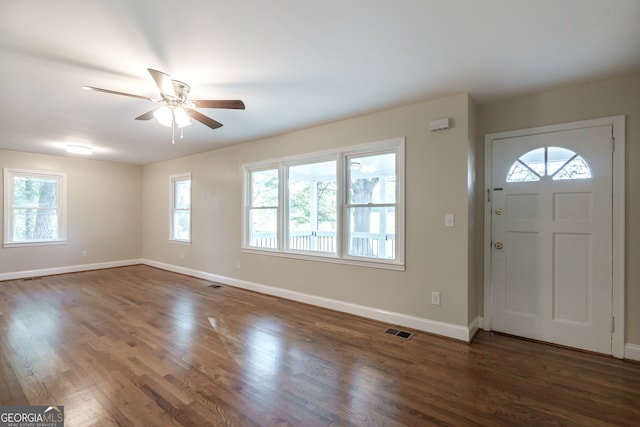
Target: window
<point x="371" y="208"/>
<point x="34" y="207"/>
<point x="312" y="215"/>
<point x="341" y="206"/>
<point x="263" y="208"/>
<point x="180" y="216"/>
<point x="555" y="162"/>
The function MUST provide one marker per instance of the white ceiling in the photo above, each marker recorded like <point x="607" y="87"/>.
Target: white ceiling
<point x="294" y="63"/>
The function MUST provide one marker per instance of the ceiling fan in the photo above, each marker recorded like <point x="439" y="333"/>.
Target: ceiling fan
<point x="175" y="110"/>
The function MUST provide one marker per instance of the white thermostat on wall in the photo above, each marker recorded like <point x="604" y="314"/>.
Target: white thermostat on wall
<point x="439" y="124"/>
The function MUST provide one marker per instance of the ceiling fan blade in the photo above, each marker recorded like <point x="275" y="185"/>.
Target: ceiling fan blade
<point x="115" y="92"/>
<point x="146" y="116"/>
<point x="235" y="104"/>
<point x="164" y="82"/>
<point x="204" y="119"/>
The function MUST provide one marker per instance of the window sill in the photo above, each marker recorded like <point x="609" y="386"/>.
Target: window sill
<point x="34" y="243"/>
<point x="388" y="265"/>
<point x="180" y="242"/>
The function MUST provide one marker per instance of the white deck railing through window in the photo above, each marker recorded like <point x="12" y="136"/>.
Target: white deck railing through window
<point x="373" y="245"/>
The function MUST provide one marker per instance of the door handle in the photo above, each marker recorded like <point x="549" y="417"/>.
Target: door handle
<point x="498" y="245"/>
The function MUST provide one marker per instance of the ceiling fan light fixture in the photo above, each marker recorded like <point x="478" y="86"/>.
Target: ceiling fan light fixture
<point x="164" y="116"/>
<point x="170" y="115"/>
<point x="175" y="111"/>
<point x="181" y="117"/>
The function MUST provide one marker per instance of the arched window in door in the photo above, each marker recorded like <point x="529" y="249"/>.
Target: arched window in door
<point x="555" y="162"/>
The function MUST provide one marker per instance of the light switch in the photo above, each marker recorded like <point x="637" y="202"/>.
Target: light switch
<point x="435" y="298"/>
<point x="449" y="220"/>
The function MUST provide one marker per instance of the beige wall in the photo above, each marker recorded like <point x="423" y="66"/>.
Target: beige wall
<point x="612" y="97"/>
<point x="103" y="208"/>
<point x="437" y="174"/>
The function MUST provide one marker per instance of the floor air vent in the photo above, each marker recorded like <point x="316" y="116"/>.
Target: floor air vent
<point x="214" y="286"/>
<point x="27" y="279"/>
<point x="397" y="333"/>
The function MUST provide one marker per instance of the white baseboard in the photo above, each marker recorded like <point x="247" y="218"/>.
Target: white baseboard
<point x="67" y="269"/>
<point x="632" y="352"/>
<point x="475" y="326"/>
<point x="449" y="330"/>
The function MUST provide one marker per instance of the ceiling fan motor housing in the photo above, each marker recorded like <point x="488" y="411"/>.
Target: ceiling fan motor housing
<point x="181" y="89"/>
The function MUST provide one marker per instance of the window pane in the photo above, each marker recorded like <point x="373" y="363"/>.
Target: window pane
<point x="521" y="173"/>
<point x="35" y="214"/>
<point x="183" y="194"/>
<point x="373" y="179"/>
<point x="34" y="192"/>
<point x="34" y="224"/>
<point x="535" y="160"/>
<point x="575" y="169"/>
<point x="371" y="232"/>
<point x="181" y="225"/>
<point x="313" y="206"/>
<point x="264" y="188"/>
<point x="561" y="164"/>
<point x="263" y="228"/>
<point x="34" y="208"/>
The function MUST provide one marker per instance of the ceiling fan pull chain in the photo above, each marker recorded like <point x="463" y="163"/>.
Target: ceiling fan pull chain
<point x="173" y="128"/>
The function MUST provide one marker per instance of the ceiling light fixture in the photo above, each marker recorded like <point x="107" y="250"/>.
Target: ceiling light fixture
<point x="169" y="115"/>
<point x="173" y="116"/>
<point x="181" y="117"/>
<point x="164" y="116"/>
<point x="79" y="149"/>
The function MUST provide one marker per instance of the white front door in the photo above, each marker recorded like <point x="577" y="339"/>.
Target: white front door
<point x="551" y="236"/>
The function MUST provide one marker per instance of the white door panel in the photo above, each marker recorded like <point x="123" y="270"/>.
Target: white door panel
<point x="551" y="259"/>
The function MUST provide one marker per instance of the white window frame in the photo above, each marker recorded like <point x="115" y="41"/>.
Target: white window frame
<point x="341" y="156"/>
<point x="248" y="203"/>
<point x="61" y="206"/>
<point x="173" y="180"/>
<point x="284" y="189"/>
<point x="398" y="205"/>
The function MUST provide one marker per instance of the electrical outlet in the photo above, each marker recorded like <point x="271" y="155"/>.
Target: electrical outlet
<point x="449" y="220"/>
<point x="237" y="265"/>
<point x="181" y="255"/>
<point x="435" y="298"/>
<point x="84" y="252"/>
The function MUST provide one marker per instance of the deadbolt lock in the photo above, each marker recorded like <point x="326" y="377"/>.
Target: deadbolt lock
<point x="498" y="245"/>
<point x="498" y="211"/>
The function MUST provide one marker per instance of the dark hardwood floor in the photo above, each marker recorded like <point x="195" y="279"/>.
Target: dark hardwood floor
<point x="138" y="346"/>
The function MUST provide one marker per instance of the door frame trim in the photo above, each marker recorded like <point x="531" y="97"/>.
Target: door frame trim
<point x="618" y="231"/>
